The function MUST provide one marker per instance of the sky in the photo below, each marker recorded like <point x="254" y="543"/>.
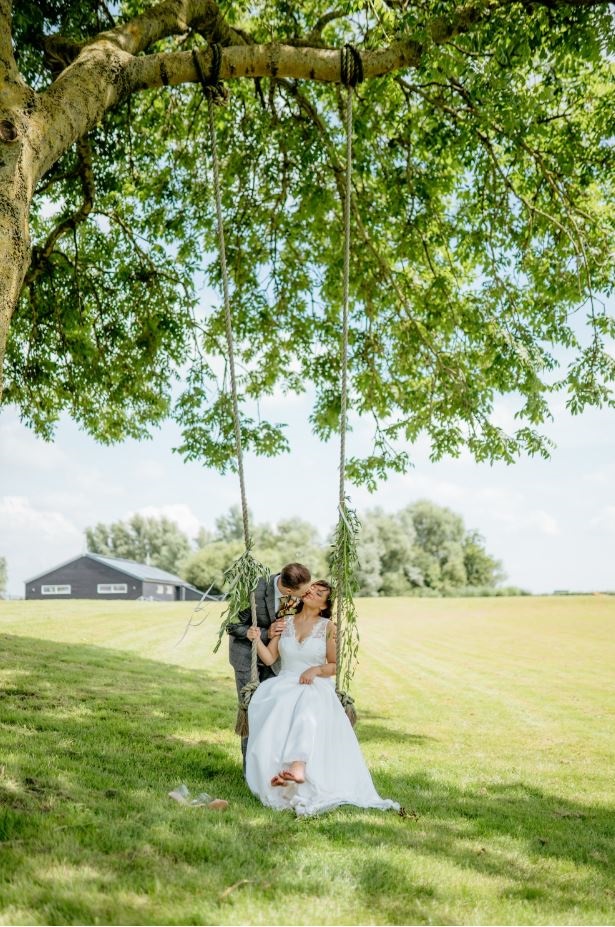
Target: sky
<point x="551" y="523"/>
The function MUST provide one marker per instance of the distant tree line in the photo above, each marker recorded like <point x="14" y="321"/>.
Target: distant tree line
<point x="423" y="549"/>
<point x="3" y="574"/>
<point x="156" y="541"/>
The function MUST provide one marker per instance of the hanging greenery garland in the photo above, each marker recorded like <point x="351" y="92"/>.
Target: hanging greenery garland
<point x="344" y="567"/>
<point x="240" y="580"/>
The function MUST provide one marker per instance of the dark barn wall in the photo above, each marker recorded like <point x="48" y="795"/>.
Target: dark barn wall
<point x="160" y="591"/>
<point x="83" y="576"/>
<point x="151" y="590"/>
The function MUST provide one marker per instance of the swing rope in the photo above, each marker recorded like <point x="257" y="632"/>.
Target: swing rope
<point x="351" y="73"/>
<point x="212" y="90"/>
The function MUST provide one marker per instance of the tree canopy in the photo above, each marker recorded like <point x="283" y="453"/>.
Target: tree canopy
<point x="289" y="541"/>
<point x="156" y="541"/>
<point x="481" y="212"/>
<point x="423" y="549"/>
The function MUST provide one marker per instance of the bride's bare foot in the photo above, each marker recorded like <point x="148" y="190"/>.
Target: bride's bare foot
<point x="279" y="780"/>
<point x="296" y="773"/>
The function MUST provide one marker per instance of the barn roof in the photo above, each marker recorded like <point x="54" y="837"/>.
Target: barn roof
<point x="130" y="567"/>
<point x="139" y="570"/>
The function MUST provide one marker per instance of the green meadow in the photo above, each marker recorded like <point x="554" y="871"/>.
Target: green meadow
<point x="490" y="720"/>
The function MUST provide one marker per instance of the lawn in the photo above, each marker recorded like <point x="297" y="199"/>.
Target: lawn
<point x="490" y="720"/>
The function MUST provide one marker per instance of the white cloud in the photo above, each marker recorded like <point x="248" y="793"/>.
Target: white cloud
<point x="34" y="539"/>
<point x="18" y="515"/>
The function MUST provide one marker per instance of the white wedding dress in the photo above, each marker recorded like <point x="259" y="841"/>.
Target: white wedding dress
<point x="292" y="721"/>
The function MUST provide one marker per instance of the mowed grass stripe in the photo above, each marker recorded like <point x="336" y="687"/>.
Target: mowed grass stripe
<point x="465" y="716"/>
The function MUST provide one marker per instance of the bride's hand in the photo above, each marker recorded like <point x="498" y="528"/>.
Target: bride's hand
<point x="253" y="634"/>
<point x="309" y="676"/>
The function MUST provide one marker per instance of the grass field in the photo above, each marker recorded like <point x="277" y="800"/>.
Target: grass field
<point x="490" y="720"/>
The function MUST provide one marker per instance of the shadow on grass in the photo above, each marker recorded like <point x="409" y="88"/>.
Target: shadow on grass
<point x="366" y="732"/>
<point x="502" y="831"/>
<point x="91" y="741"/>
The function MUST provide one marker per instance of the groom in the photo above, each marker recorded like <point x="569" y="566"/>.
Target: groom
<point x="276" y="598"/>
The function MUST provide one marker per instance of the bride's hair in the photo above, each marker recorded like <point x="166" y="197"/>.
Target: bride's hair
<point x="326" y="610"/>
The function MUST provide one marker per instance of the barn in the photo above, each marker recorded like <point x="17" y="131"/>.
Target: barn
<point x="92" y="576"/>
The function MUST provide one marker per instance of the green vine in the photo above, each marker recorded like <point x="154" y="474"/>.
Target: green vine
<point x="343" y="566"/>
<point x="240" y="579"/>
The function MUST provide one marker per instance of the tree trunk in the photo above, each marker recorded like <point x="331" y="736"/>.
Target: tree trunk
<point x="17" y="180"/>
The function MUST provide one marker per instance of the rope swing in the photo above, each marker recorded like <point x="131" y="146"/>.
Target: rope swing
<point x="246" y="571"/>
<point x="246" y="565"/>
<point x="351" y="74"/>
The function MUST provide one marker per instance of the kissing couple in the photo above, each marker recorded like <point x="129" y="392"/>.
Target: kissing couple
<point x="301" y="753"/>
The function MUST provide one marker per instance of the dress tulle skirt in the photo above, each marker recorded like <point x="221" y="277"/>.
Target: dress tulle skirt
<point x="290" y="721"/>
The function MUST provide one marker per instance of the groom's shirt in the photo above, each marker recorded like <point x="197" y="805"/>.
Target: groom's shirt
<point x="277" y="594"/>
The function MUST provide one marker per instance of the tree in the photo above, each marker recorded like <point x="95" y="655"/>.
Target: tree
<point x="439" y="536"/>
<point x="289" y="541"/>
<point x="422" y="548"/>
<point x="203" y="538"/>
<point x="155" y="541"/>
<point x="205" y="568"/>
<point x="3" y="574"/>
<point x="481" y="569"/>
<point x="480" y="211"/>
<point x="229" y="527"/>
<point x="385" y="552"/>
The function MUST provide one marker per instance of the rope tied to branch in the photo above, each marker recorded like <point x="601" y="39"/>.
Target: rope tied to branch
<point x="216" y="95"/>
<point x="351" y="74"/>
<point x="351" y="66"/>
<point x="212" y="86"/>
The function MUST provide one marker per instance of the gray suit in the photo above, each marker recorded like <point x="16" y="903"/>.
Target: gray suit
<point x="240" y="648"/>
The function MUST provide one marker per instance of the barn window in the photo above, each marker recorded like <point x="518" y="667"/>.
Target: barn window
<point x="56" y="590"/>
<point x="159" y="590"/>
<point x="169" y="590"/>
<point x="108" y="588"/>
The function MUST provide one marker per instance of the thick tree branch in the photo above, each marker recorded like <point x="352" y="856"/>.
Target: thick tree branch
<point x="172" y="17"/>
<point x="6" y="45"/>
<point x="8" y="67"/>
<point x="106" y="69"/>
<point x="308" y="63"/>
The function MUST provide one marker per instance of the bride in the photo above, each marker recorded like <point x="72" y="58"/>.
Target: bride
<point x="302" y="752"/>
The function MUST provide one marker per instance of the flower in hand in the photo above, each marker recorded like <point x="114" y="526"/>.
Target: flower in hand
<point x="308" y="677"/>
<point x="253" y="634"/>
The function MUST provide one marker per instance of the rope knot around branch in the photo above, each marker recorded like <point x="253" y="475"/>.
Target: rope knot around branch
<point x="212" y="86"/>
<point x="351" y="66"/>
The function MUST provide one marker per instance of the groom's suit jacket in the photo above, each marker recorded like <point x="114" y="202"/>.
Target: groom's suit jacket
<point x="240" y="648"/>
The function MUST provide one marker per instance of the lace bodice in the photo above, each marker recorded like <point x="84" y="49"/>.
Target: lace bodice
<point x="298" y="655"/>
